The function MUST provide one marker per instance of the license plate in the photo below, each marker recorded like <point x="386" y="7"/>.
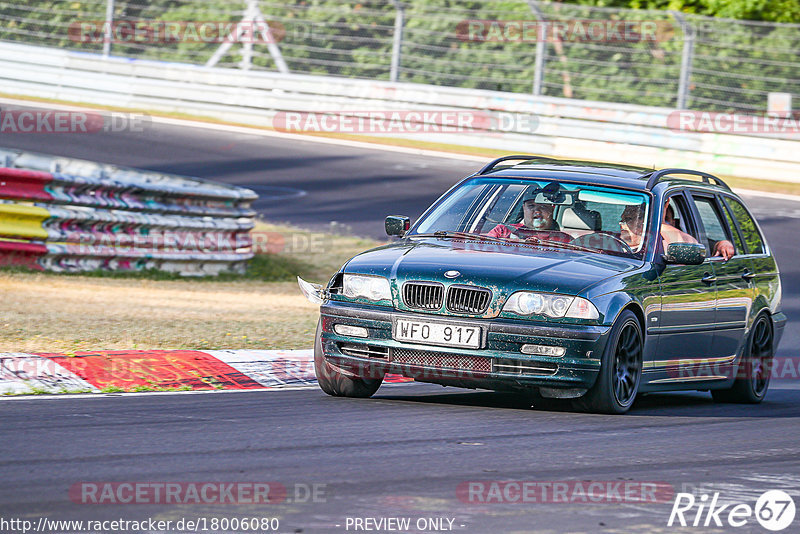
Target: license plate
<point x="451" y="335"/>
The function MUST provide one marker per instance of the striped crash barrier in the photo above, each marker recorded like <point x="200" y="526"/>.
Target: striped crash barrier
<point x="134" y="370"/>
<point x="116" y="219"/>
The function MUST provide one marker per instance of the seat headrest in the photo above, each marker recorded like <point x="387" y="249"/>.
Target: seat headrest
<point x="581" y="219"/>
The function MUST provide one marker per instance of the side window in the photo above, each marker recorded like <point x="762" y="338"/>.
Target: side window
<point x="676" y="214"/>
<point x="712" y="222"/>
<point x="737" y="240"/>
<point x="755" y="245"/>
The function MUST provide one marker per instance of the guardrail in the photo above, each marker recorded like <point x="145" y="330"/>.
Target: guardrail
<point x="62" y="214"/>
<point x="567" y="128"/>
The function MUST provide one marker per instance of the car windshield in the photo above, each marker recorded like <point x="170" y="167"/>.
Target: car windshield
<point x="552" y="214"/>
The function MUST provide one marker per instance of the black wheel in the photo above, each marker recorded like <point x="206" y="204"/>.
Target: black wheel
<point x="752" y="380"/>
<point x="620" y="370"/>
<point x="338" y="382"/>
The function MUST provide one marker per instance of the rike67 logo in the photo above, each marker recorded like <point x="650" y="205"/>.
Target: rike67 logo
<point x="774" y="510"/>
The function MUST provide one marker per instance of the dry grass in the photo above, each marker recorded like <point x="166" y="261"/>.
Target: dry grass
<point x="44" y="312"/>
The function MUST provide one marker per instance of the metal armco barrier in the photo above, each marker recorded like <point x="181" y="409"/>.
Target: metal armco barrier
<point x="603" y="131"/>
<point x="61" y="214"/>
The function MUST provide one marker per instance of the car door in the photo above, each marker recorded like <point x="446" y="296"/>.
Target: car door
<point x="734" y="284"/>
<point x="688" y="301"/>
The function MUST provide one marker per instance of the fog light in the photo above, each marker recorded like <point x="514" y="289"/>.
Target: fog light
<point x="352" y="331"/>
<point x="543" y="350"/>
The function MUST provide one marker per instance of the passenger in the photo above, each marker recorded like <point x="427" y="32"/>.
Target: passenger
<point x="632" y="228"/>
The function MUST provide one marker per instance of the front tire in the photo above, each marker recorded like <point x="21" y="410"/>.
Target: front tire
<point x="752" y="380"/>
<point x="337" y="382"/>
<point x="620" y="370"/>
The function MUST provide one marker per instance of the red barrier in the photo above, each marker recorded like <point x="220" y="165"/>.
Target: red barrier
<point x="154" y="368"/>
<point x="21" y="253"/>
<point x="23" y="184"/>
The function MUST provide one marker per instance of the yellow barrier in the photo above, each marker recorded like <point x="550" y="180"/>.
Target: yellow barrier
<point x="20" y="220"/>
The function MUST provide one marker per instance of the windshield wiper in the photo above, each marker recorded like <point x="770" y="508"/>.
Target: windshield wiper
<point x="461" y="235"/>
<point x="561" y="244"/>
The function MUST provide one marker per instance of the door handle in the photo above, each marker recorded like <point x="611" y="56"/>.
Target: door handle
<point x="708" y="278"/>
<point x="748" y="275"/>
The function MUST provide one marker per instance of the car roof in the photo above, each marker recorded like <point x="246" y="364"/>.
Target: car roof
<point x="592" y="172"/>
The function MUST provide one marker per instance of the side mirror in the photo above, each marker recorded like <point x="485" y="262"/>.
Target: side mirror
<point x="685" y="253"/>
<point x="397" y="225"/>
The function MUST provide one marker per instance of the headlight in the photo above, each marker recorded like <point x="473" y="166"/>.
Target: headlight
<point x="528" y="303"/>
<point x="368" y="287"/>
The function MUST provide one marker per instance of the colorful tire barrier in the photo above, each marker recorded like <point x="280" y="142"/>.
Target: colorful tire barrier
<point x="137" y="370"/>
<point x="71" y="215"/>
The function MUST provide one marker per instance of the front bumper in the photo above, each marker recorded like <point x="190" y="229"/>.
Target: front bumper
<point x="499" y="364"/>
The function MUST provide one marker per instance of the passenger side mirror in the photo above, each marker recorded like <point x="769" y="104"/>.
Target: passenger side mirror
<point x="397" y="225"/>
<point x="685" y="253"/>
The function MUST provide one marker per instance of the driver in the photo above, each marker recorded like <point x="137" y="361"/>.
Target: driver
<point x="537" y="221"/>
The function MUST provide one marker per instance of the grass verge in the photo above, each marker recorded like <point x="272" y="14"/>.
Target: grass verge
<point x="47" y="312"/>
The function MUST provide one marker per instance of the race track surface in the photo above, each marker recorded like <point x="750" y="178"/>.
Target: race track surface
<point x="405" y="452"/>
<point x="402" y="453"/>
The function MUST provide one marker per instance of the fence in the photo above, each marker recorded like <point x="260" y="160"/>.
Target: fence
<point x="62" y="214"/>
<point x="691" y="62"/>
<point x="563" y="127"/>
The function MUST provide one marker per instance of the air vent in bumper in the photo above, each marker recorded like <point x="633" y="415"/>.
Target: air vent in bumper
<point x="365" y="351"/>
<point x="523" y="367"/>
<point x="438" y="360"/>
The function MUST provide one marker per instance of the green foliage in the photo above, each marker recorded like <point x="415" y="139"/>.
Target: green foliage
<point x="733" y="68"/>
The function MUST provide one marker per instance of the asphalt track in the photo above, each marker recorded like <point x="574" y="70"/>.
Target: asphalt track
<point x="404" y="452"/>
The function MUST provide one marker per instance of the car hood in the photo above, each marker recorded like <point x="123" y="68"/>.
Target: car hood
<point x="502" y="268"/>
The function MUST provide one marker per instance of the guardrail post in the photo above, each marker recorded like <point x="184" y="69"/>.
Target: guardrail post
<point x="397" y="40"/>
<point x="686" y="60"/>
<point x="538" y="67"/>
<point x="109" y="32"/>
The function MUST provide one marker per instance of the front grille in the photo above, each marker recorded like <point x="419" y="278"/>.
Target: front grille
<point x="365" y="351"/>
<point x="468" y="299"/>
<point x="423" y="295"/>
<point x="523" y="367"/>
<point x="438" y="360"/>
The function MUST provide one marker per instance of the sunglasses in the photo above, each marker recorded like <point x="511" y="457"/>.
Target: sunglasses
<point x="628" y="221"/>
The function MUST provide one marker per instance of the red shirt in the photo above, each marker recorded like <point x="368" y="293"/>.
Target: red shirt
<point x="504" y="230"/>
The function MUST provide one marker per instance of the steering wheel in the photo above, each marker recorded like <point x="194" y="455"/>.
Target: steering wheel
<point x="591" y="241"/>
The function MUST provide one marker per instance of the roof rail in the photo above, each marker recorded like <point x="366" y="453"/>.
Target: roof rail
<point x="492" y="164"/>
<point x="655" y="177"/>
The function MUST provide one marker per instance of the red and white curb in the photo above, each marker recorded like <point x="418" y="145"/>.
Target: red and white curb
<point x="158" y="370"/>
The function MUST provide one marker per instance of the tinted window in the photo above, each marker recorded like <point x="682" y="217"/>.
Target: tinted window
<point x="737" y="241"/>
<point x="755" y="245"/>
<point x="712" y="222"/>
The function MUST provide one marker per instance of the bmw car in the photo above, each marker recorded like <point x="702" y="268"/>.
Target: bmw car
<point x="568" y="279"/>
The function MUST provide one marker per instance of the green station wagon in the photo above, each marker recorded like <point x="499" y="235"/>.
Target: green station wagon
<point x="573" y="279"/>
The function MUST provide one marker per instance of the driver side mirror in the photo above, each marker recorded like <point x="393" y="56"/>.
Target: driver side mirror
<point x="685" y="253"/>
<point x="397" y="225"/>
